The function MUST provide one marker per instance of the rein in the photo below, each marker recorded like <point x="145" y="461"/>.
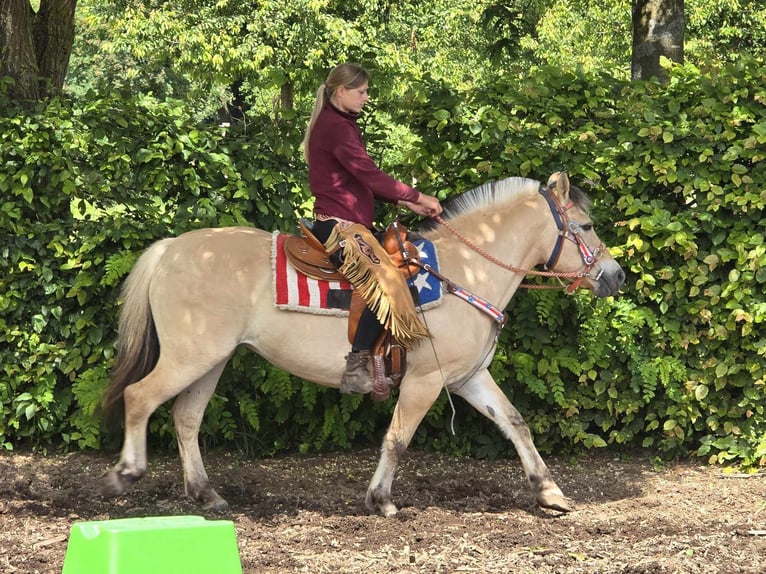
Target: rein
<point x="567" y="230"/>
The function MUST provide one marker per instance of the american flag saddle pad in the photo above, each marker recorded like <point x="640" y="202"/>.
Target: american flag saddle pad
<point x="294" y="291"/>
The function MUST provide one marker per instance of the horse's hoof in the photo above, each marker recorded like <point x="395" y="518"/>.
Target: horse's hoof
<point x="114" y="484"/>
<point x="111" y="486"/>
<point x="555" y="501"/>
<point x="388" y="509"/>
<point x="214" y="502"/>
<point x="379" y="505"/>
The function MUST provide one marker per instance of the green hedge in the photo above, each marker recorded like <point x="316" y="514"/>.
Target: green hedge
<point x="677" y="173"/>
<point x="673" y="365"/>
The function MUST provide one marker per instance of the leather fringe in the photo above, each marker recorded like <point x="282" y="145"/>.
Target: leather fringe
<point x="367" y="266"/>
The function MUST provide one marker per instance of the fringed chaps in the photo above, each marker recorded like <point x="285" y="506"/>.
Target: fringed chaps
<point x="367" y="266"/>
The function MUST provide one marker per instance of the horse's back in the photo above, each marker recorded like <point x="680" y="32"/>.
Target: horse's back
<point x="226" y="238"/>
<point x="219" y="251"/>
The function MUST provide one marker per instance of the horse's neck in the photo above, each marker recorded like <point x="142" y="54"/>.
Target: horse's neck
<point x="509" y="237"/>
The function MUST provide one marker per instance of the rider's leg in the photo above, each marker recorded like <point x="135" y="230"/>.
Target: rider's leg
<point x="368" y="332"/>
<point x="358" y="375"/>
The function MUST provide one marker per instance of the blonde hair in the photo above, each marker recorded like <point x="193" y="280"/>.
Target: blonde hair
<point x="346" y="75"/>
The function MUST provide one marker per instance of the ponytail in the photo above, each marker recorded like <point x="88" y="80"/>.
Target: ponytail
<point x="318" y="107"/>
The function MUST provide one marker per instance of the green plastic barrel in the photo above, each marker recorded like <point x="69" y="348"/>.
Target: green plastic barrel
<point x="162" y="545"/>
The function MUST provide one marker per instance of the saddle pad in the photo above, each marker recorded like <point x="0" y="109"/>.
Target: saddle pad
<point x="294" y="291"/>
<point x="429" y="287"/>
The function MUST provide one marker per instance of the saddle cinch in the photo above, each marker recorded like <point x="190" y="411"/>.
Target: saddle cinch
<point x="307" y="254"/>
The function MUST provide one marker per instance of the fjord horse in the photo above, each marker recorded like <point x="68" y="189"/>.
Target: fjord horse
<point x="190" y="301"/>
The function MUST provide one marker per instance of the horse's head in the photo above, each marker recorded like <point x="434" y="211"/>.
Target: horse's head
<point x="577" y="248"/>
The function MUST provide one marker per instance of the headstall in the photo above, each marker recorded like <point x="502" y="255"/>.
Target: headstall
<point x="572" y="231"/>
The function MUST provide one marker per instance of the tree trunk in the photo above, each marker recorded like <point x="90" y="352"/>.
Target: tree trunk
<point x="54" y="35"/>
<point x="35" y="47"/>
<point x="17" y="53"/>
<point x="286" y="96"/>
<point x="658" y="30"/>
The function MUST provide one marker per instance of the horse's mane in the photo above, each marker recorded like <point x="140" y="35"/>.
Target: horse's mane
<point x="499" y="193"/>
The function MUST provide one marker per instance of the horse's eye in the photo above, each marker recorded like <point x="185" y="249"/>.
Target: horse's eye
<point x="587" y="226"/>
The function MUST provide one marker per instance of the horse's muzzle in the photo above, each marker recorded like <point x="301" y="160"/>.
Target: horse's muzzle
<point x="607" y="278"/>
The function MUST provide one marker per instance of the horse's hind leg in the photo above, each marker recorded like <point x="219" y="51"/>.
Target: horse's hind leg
<point x="142" y="398"/>
<point x="188" y="410"/>
<point x="414" y="401"/>
<point x="486" y="397"/>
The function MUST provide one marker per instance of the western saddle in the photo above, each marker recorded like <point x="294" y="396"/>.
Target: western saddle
<point x="307" y="254"/>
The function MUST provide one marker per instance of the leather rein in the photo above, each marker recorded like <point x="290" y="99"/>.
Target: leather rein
<point x="568" y="230"/>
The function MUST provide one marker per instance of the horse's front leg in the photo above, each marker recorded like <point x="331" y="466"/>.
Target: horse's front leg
<point x="482" y="392"/>
<point x="415" y="398"/>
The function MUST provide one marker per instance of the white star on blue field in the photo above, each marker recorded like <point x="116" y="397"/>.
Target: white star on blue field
<point x="428" y="286"/>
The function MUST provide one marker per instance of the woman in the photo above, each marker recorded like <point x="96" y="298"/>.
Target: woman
<point x="345" y="183"/>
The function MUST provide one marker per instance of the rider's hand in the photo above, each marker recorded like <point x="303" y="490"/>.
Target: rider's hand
<point x="426" y="205"/>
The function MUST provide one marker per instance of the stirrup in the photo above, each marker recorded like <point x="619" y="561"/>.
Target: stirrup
<point x="381" y="384"/>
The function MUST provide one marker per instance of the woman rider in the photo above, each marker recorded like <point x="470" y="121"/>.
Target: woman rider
<point x="346" y="182"/>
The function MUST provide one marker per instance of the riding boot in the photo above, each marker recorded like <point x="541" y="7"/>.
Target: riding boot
<point x="357" y="378"/>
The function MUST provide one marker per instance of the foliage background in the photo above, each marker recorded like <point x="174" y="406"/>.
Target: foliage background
<point x="674" y="365"/>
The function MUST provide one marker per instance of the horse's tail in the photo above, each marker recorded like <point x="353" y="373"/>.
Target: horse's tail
<point x="138" y="347"/>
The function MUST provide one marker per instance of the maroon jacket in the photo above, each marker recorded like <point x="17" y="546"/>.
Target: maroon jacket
<point x="342" y="176"/>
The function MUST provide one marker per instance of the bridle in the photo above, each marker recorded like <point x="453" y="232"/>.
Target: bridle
<point x="572" y="231"/>
<point x="568" y="230"/>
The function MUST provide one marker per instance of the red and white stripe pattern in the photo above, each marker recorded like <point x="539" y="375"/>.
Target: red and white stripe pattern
<point x="294" y="291"/>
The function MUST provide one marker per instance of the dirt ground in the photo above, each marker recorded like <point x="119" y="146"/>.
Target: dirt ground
<point x="306" y="514"/>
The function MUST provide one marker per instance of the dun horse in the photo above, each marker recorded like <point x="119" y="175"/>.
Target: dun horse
<point x="191" y="300"/>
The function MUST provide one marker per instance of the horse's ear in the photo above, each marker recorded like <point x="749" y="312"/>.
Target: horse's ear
<point x="559" y="183"/>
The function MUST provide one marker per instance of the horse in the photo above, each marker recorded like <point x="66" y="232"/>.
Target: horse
<point x="191" y="300"/>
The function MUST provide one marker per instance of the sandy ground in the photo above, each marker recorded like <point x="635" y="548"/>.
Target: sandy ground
<point x="306" y="514"/>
